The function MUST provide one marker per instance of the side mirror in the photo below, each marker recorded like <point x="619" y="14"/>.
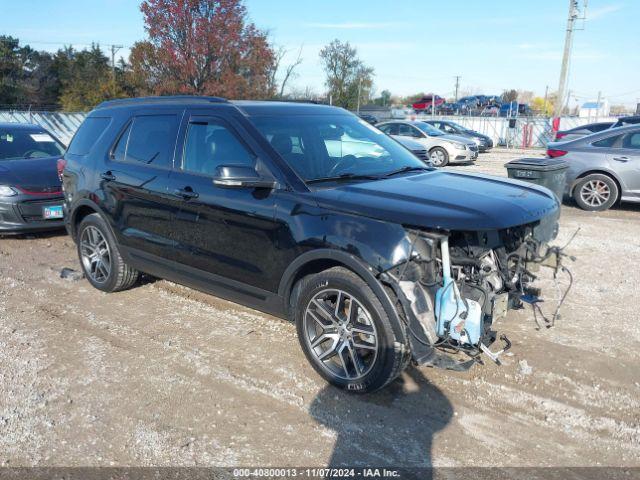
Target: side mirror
<point x="241" y="176"/>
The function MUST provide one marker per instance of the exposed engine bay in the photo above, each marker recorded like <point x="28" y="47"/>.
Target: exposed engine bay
<point x="454" y="286"/>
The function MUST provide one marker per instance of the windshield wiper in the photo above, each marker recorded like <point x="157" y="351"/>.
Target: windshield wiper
<point x="344" y="176"/>
<point x="406" y="169"/>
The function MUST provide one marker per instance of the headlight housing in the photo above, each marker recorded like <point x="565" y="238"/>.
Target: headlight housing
<point x="460" y="146"/>
<point x="7" y="191"/>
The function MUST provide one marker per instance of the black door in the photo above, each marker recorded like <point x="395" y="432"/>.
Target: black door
<point x="224" y="231"/>
<point x="136" y="183"/>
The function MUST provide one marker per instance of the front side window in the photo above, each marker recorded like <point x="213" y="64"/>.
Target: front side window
<point x="428" y="129"/>
<point x="405" y="130"/>
<point x="18" y="143"/>
<point x="632" y="141"/>
<point x="324" y="146"/>
<point x="210" y="144"/>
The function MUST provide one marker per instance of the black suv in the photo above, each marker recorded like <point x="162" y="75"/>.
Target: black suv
<point x="310" y="213"/>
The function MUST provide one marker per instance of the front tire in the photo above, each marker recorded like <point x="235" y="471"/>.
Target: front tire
<point x="346" y="334"/>
<point x="439" y="157"/>
<point x="100" y="258"/>
<point x="596" y="192"/>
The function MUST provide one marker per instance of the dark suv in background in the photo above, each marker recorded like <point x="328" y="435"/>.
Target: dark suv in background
<point x="309" y="213"/>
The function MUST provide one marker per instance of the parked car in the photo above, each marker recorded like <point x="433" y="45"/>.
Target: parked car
<point x="368" y="118"/>
<point x="243" y="200"/>
<point x="514" y="109"/>
<point x="604" y="168"/>
<point x="483" y="142"/>
<point x="490" y="111"/>
<point x="443" y="148"/>
<point x="30" y="191"/>
<point x="426" y="102"/>
<point x="625" y="121"/>
<point x="581" y="131"/>
<point x="416" y="148"/>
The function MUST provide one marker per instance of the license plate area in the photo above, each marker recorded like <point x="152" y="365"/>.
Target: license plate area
<point x="52" y="212"/>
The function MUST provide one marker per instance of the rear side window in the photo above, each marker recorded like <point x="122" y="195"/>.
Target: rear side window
<point x="88" y="134"/>
<point x="606" y="142"/>
<point x="148" y="139"/>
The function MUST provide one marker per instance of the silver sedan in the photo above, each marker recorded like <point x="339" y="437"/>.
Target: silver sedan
<point x="604" y="168"/>
<point x="443" y="148"/>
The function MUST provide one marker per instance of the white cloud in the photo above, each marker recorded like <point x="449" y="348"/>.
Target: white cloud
<point x="596" y="13"/>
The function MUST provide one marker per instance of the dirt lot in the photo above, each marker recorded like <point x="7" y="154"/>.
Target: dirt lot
<point x="163" y="375"/>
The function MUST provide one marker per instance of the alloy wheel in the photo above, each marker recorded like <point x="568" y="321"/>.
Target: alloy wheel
<point x="95" y="254"/>
<point x="341" y="334"/>
<point x="595" y="193"/>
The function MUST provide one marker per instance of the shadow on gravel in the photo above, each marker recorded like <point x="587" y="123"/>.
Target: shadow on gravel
<point x="393" y="427"/>
<point x="59" y="232"/>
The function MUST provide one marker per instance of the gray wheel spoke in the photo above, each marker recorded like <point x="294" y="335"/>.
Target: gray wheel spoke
<point x="341" y="334"/>
<point x="95" y="254"/>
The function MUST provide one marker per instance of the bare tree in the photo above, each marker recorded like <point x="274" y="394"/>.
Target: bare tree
<point x="289" y="72"/>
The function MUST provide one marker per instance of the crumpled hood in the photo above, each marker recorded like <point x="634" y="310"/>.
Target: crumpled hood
<point x="38" y="172"/>
<point x="444" y="200"/>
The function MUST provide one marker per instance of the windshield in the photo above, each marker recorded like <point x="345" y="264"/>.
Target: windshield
<point x="330" y="146"/>
<point x="428" y="129"/>
<point x="17" y="143"/>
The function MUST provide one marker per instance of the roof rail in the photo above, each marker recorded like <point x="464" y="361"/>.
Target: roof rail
<point x="162" y="99"/>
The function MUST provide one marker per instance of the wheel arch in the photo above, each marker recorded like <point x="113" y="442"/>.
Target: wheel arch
<point x="318" y="260"/>
<point x="81" y="210"/>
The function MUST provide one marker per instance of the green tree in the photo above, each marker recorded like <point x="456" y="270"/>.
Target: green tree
<point x="85" y="78"/>
<point x="384" y="99"/>
<point x="349" y="80"/>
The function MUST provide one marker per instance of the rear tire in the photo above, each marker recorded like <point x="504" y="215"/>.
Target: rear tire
<point x="596" y="192"/>
<point x="364" y="350"/>
<point x="439" y="157"/>
<point x="100" y="258"/>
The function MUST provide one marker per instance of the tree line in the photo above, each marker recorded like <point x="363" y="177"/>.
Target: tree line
<point x="200" y="47"/>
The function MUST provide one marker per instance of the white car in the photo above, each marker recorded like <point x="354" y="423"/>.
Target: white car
<point x="443" y="148"/>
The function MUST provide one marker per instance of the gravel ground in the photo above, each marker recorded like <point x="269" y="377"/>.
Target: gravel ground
<point x="163" y="375"/>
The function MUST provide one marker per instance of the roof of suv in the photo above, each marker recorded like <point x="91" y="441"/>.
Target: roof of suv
<point x="249" y="107"/>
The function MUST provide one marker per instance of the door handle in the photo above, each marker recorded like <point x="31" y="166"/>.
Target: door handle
<point x="621" y="159"/>
<point x="108" y="176"/>
<point x="186" y="193"/>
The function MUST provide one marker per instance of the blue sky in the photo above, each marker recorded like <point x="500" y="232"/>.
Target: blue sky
<point x="413" y="45"/>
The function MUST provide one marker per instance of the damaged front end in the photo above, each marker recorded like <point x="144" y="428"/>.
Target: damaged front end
<point x="454" y="286"/>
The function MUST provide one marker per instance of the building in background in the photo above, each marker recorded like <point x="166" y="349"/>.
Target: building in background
<point x="593" y="110"/>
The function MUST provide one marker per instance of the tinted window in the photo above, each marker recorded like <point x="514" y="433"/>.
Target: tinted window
<point x="210" y="144"/>
<point x="599" y="127"/>
<point x="606" y="142"/>
<point x="405" y="130"/>
<point x="120" y="149"/>
<point x="390" y="128"/>
<point x="18" y="143"/>
<point x="149" y="139"/>
<point x="88" y="134"/>
<point x="631" y="140"/>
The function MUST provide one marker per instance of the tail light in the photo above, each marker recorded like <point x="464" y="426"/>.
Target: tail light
<point x="560" y="135"/>
<point x="554" y="153"/>
<point x="60" y="167"/>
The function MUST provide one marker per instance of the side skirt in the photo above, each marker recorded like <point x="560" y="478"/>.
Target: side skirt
<point x="206" y="282"/>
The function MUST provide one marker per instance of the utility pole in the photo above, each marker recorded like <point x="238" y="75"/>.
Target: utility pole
<point x="457" y="77"/>
<point x="359" y="93"/>
<point x="546" y="95"/>
<point x="598" y="105"/>
<point x="114" y="50"/>
<point x="566" y="56"/>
